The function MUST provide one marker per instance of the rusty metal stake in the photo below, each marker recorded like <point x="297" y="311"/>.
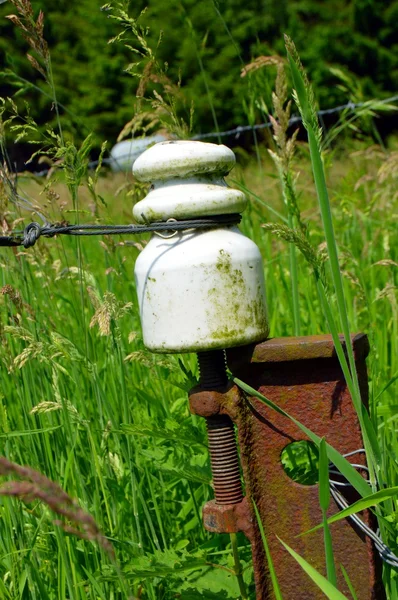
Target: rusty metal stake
<point x="301" y="375"/>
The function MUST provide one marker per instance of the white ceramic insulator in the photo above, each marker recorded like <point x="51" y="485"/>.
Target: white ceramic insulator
<point x="187" y="181"/>
<point x="124" y="154"/>
<point x="201" y="289"/>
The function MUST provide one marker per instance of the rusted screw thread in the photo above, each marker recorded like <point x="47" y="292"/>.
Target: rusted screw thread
<point x="212" y="369"/>
<point x="222" y="444"/>
<point x="224" y="460"/>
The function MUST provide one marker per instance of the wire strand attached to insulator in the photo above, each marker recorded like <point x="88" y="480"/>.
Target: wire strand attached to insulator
<point x="34" y="231"/>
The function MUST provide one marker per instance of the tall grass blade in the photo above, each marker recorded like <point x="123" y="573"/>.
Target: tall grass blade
<point x="393" y="379"/>
<point x="349" y="584"/>
<point x="326" y="586"/>
<point x="272" y="210"/>
<point x="359" y="407"/>
<point x="238" y="566"/>
<point x="272" y="572"/>
<point x="324" y="501"/>
<point x="306" y="105"/>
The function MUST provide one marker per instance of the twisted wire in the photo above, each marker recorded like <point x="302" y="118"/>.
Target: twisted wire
<point x="237" y="131"/>
<point x="386" y="554"/>
<point x="34" y="231"/>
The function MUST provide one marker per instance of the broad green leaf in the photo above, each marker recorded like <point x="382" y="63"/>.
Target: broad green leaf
<point x="211" y="581"/>
<point x="164" y="564"/>
<point x="327" y="588"/>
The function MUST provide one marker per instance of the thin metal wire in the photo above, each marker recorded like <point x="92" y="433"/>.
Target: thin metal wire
<point x="386" y="554"/>
<point x="237" y="131"/>
<point x="294" y="119"/>
<point x="34" y="231"/>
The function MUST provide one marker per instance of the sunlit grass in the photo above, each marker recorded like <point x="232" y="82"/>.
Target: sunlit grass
<point x="94" y="411"/>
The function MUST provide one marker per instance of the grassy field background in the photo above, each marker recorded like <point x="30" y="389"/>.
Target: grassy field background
<point x="83" y="402"/>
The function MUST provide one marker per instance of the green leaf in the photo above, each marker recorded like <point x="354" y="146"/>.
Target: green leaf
<point x="94" y="583"/>
<point x="390" y="382"/>
<point x="349" y="584"/>
<point x="327" y="588"/>
<point x="334" y="456"/>
<point x="22" y="582"/>
<point x="327" y="540"/>
<point x="165" y="563"/>
<point x="189" y="472"/>
<point x="213" y="580"/>
<point x="192" y="593"/>
<point x="324" y="501"/>
<point x="11" y="434"/>
<point x="175" y="465"/>
<point x="362" y="504"/>
<point x="172" y="430"/>
<point x="324" y="487"/>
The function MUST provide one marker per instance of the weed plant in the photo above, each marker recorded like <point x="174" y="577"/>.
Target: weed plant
<point x="84" y="404"/>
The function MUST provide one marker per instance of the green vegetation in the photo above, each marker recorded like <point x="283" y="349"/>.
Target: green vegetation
<point x="84" y="403"/>
<point x="90" y="408"/>
<point x="352" y="55"/>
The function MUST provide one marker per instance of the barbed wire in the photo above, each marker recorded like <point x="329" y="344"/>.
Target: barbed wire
<point x="240" y="129"/>
<point x="237" y="131"/>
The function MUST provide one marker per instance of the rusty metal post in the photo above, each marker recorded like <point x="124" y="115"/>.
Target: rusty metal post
<point x="303" y="376"/>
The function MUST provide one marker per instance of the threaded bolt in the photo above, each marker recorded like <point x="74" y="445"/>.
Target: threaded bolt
<point x="221" y="433"/>
<point x="212" y="369"/>
<point x="224" y="460"/>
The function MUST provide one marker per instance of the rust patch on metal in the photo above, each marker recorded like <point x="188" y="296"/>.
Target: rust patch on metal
<point x="206" y="403"/>
<point x="295" y="348"/>
<point x="302" y="376"/>
<point x="228" y="518"/>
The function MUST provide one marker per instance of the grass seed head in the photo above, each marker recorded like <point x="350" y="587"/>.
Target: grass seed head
<point x="36" y="486"/>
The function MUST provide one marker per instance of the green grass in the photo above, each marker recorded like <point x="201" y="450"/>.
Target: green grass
<point x="110" y="421"/>
<point x="84" y="403"/>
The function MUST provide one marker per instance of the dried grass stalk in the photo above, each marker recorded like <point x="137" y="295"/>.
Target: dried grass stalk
<point x="36" y="486"/>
